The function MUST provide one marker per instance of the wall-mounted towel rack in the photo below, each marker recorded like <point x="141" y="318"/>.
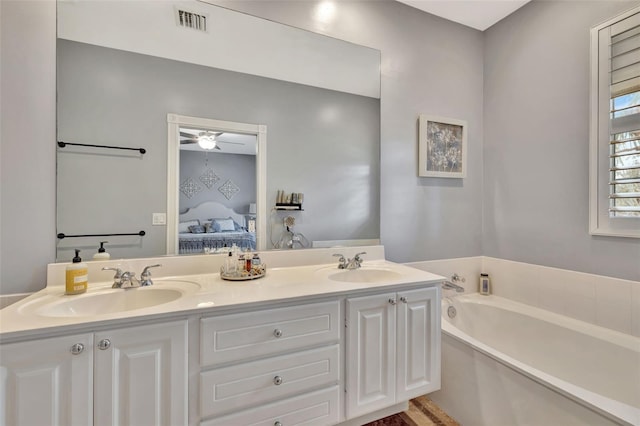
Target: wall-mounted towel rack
<point x="62" y="235"/>
<point x="63" y="144"/>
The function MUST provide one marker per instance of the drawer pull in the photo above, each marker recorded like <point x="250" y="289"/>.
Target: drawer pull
<point x="403" y="299"/>
<point x="277" y="332"/>
<point x="104" y="344"/>
<point x="277" y="380"/>
<point x="277" y="423"/>
<point x="392" y="301"/>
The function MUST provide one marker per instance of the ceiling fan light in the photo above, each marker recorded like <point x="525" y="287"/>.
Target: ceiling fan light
<point x="207" y="142"/>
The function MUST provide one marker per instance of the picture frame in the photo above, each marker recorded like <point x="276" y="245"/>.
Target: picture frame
<point x="442" y="147"/>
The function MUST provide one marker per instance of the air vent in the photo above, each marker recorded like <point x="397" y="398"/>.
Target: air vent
<point x="191" y="20"/>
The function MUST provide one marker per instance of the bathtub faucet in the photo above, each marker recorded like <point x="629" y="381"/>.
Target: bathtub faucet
<point x="448" y="285"/>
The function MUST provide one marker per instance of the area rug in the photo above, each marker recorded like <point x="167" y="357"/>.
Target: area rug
<point x="421" y="412"/>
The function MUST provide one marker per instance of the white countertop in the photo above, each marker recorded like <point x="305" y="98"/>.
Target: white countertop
<point x="205" y="293"/>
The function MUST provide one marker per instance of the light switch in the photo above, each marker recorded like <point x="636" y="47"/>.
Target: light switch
<point x="159" y="219"/>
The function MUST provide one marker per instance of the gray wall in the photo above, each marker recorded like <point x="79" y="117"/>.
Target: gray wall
<point x="241" y="169"/>
<point x="320" y="142"/>
<point x="431" y="66"/>
<point x="27" y="143"/>
<point x="536" y="118"/>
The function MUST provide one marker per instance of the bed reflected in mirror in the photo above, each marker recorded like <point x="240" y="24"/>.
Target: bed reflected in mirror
<point x="216" y="192"/>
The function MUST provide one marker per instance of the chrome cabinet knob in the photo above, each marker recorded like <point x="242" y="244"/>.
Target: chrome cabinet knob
<point x="104" y="344"/>
<point x="392" y="301"/>
<point x="277" y="380"/>
<point x="277" y="423"/>
<point x="77" y="349"/>
<point x="403" y="299"/>
<point x="277" y="332"/>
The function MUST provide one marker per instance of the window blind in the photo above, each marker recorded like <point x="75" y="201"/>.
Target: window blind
<point x="624" y="144"/>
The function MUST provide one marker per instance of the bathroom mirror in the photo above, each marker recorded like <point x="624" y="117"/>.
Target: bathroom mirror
<point x="116" y="88"/>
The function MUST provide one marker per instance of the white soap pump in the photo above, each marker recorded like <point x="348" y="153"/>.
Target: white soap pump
<point x="102" y="253"/>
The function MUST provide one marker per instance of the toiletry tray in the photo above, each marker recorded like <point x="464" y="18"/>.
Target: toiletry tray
<point x="240" y="277"/>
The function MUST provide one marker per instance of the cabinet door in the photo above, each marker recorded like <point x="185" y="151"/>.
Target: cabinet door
<point x="47" y="382"/>
<point x="418" y="362"/>
<point x="141" y="375"/>
<point x="370" y="361"/>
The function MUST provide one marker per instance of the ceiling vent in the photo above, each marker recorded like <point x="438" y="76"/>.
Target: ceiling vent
<point x="196" y="21"/>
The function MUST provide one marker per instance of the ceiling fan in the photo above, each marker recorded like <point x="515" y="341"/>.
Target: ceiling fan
<point x="206" y="139"/>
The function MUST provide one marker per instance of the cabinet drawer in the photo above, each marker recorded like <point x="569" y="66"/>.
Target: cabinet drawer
<point x="253" y="383"/>
<point x="311" y="409"/>
<point x="253" y="334"/>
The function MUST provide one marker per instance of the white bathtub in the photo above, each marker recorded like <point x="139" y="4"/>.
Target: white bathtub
<point x="506" y="363"/>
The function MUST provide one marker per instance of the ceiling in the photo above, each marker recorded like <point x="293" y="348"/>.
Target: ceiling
<point x="478" y="14"/>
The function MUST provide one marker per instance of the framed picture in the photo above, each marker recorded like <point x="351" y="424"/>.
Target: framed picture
<point x="442" y="147"/>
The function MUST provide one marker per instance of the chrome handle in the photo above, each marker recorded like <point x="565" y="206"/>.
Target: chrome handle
<point x="277" y="380"/>
<point x="403" y="299"/>
<point x="392" y="301"/>
<point x="457" y="278"/>
<point x="146" y="272"/>
<point x="104" y="344"/>
<point x="277" y="332"/>
<point x="277" y="423"/>
<point x="77" y="349"/>
<point x="118" y="270"/>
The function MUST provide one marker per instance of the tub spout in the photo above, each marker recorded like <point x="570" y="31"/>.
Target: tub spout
<point x="448" y="285"/>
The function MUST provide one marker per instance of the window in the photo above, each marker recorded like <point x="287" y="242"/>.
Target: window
<point x="615" y="127"/>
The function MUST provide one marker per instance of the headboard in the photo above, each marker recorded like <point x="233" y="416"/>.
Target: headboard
<point x="209" y="210"/>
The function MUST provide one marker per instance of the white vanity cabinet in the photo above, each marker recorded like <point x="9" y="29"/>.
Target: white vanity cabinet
<point x="141" y="375"/>
<point x="47" y="381"/>
<point x="274" y="366"/>
<point x="126" y="376"/>
<point x="392" y="349"/>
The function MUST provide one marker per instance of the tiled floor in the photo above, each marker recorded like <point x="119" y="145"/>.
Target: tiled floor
<point x="422" y="412"/>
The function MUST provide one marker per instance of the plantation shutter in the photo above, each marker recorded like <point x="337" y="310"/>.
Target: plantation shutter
<point x="624" y="144"/>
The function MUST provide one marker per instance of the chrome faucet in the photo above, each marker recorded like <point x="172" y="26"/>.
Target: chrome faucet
<point x="448" y="285"/>
<point x="128" y="279"/>
<point x="451" y="285"/>
<point x="354" y="263"/>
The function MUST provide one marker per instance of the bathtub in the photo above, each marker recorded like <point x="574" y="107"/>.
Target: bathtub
<point x="507" y="363"/>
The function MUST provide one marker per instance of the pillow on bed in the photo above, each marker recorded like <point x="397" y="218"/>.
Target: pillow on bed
<point x="196" y="229"/>
<point x="223" y="225"/>
<point x="208" y="227"/>
<point x="184" y="226"/>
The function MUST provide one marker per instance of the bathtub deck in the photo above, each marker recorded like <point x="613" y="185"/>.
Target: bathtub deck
<point x="422" y="412"/>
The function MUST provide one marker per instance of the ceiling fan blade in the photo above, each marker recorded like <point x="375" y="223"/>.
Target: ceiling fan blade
<point x="188" y="141"/>
<point x="231" y="143"/>
<point x="210" y="133"/>
<point x="187" y="135"/>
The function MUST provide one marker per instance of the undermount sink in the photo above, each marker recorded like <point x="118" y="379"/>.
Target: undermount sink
<point x="365" y="275"/>
<point x="110" y="301"/>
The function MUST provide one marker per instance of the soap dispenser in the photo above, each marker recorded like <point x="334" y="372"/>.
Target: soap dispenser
<point x="102" y="253"/>
<point x="77" y="276"/>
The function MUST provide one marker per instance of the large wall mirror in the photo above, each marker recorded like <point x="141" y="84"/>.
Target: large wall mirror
<point x="119" y="84"/>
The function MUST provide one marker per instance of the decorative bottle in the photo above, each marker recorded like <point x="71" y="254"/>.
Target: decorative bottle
<point x="485" y="285"/>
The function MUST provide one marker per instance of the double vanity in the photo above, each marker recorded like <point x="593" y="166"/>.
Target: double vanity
<point x="309" y="343"/>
